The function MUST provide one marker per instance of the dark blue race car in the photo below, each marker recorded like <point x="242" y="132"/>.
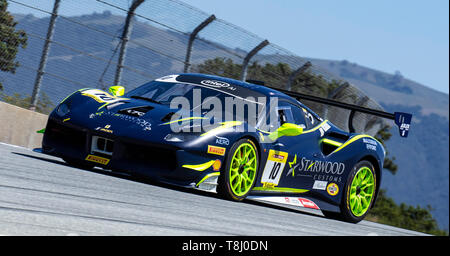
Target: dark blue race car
<point x="182" y="130"/>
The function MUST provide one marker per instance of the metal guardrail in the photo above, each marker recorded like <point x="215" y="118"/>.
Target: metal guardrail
<point x="164" y="32"/>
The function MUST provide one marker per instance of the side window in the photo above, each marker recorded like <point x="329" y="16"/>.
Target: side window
<point x="289" y="113"/>
<point x="310" y="119"/>
<point x="299" y="118"/>
<point x="284" y="115"/>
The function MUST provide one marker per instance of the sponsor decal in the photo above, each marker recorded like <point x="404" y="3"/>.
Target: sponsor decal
<point x="308" y="203"/>
<point x="169" y="77"/>
<point x="332" y="189"/>
<point x="134" y="112"/>
<point x="369" y="141"/>
<point x="371" y="147"/>
<point x="146" y="125"/>
<point x="101" y="96"/>
<point x="320" y="185"/>
<point x="222" y="141"/>
<point x="293" y="201"/>
<point x="330" y="178"/>
<point x="274" y="168"/>
<point x="268" y="185"/>
<point x="318" y="170"/>
<point x="370" y="144"/>
<point x="217" y="84"/>
<point x="296" y="201"/>
<point x="309" y="116"/>
<point x="279" y="157"/>
<point x="97" y="159"/>
<point x="216" y="150"/>
<point x="325" y="127"/>
<point x="404" y="127"/>
<point x="104" y="129"/>
<point x="292" y="169"/>
<point x="216" y="165"/>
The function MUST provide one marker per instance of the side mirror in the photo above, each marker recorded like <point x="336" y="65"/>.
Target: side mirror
<point x="287" y="129"/>
<point x="117" y="90"/>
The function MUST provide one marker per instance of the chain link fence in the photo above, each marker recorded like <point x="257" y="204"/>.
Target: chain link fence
<point x="164" y="37"/>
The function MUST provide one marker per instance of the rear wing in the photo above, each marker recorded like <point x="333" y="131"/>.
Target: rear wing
<point x="402" y="120"/>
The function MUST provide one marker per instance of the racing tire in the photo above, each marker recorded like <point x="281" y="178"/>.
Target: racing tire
<point x="359" y="194"/>
<point x="238" y="176"/>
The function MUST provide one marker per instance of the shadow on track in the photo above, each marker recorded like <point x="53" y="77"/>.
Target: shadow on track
<point x="144" y="180"/>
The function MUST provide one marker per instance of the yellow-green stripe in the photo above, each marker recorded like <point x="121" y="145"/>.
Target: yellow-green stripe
<point x="279" y="189"/>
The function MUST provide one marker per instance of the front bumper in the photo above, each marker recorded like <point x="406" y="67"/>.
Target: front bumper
<point x="159" y="161"/>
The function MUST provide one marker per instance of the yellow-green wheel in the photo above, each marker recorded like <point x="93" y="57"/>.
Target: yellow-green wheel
<point x="359" y="193"/>
<point x="239" y="175"/>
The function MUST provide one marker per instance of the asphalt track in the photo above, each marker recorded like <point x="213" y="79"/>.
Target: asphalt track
<point x="41" y="196"/>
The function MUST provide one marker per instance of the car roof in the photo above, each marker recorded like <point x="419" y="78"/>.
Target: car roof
<point x="243" y="89"/>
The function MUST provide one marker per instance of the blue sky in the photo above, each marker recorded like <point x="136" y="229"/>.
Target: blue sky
<point x="410" y="36"/>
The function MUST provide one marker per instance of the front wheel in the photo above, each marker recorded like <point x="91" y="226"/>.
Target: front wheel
<point x="359" y="193"/>
<point x="239" y="173"/>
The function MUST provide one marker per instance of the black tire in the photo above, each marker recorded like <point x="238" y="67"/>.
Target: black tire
<point x="346" y="213"/>
<point x="224" y="188"/>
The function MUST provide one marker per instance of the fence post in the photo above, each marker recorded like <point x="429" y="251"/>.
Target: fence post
<point x="352" y="114"/>
<point x="249" y="56"/>
<point x="294" y="74"/>
<point x="44" y="57"/>
<point x="333" y="94"/>
<point x="125" y="38"/>
<point x="192" y="38"/>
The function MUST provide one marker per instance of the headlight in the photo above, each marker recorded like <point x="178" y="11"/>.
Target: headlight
<point x="180" y="137"/>
<point x="63" y="109"/>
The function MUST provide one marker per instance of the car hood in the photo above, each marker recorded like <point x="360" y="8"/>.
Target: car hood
<point x="125" y="117"/>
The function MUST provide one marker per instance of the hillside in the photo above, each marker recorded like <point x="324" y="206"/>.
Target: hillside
<point x="423" y="175"/>
<point x="389" y="88"/>
<point x="422" y="158"/>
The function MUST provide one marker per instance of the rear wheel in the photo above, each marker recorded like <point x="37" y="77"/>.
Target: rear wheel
<point x="359" y="194"/>
<point x="239" y="174"/>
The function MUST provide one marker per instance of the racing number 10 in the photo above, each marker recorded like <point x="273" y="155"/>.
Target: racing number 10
<point x="274" y="167"/>
<point x="275" y="170"/>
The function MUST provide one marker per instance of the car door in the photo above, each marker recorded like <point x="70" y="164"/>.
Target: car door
<point x="291" y="161"/>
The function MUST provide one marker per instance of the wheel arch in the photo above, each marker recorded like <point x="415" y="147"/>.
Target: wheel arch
<point x="376" y="165"/>
<point x="254" y="140"/>
<point x="258" y="148"/>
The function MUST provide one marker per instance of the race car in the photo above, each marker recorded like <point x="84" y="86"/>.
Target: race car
<point x="239" y="139"/>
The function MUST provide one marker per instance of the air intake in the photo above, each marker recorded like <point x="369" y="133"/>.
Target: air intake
<point x="136" y="111"/>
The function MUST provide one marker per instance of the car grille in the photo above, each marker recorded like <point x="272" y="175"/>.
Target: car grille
<point x="150" y="155"/>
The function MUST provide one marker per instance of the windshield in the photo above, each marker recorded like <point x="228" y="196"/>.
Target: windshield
<point x="164" y="93"/>
<point x="199" y="98"/>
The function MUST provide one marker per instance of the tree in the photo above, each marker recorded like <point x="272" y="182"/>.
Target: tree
<point x="10" y="40"/>
<point x="386" y="211"/>
<point x="383" y="135"/>
<point x="44" y="104"/>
